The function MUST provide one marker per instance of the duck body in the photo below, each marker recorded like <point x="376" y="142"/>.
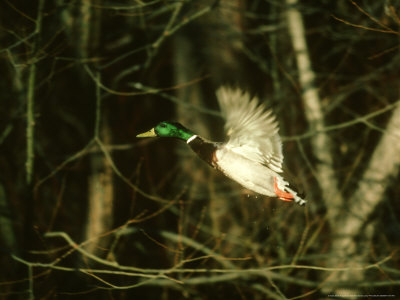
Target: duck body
<point x="248" y="173"/>
<point x="252" y="155"/>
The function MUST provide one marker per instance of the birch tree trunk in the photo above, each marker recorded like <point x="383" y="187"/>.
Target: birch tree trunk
<point x="346" y="224"/>
<point x="321" y="143"/>
<point x="383" y="166"/>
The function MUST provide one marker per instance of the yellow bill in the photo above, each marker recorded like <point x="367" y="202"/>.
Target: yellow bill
<point x="150" y="133"/>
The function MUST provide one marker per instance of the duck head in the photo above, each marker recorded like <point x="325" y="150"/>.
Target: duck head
<point x="168" y="129"/>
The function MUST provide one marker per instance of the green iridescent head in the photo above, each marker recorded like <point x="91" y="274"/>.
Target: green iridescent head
<point x="168" y="129"/>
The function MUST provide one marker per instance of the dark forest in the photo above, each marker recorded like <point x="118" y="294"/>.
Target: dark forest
<point x="90" y="211"/>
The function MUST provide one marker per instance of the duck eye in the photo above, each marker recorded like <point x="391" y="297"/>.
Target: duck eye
<point x="163" y="125"/>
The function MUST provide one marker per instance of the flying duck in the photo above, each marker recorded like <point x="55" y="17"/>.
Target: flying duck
<point x="252" y="155"/>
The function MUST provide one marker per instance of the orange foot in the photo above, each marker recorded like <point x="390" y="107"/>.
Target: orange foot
<point x="282" y="195"/>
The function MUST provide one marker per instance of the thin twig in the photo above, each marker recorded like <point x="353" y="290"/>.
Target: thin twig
<point x="98" y="107"/>
<point x="30" y="104"/>
<point x="361" y="119"/>
<point x="30" y="276"/>
<point x="365" y="27"/>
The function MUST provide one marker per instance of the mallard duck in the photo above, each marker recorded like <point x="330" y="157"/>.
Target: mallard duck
<point x="252" y="155"/>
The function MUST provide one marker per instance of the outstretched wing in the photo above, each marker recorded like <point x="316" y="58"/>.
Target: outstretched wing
<point x="251" y="128"/>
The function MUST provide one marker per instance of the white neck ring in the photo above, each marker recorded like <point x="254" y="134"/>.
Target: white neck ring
<point x="191" y="138"/>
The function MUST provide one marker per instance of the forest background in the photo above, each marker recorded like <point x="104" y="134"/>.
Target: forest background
<point x="89" y="211"/>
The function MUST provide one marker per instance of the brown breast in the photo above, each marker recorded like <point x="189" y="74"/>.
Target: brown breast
<point x="205" y="150"/>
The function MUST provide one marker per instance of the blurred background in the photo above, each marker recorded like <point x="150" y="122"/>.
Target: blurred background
<point x="89" y="211"/>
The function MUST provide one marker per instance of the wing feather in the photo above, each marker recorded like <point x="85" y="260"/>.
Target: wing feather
<point x="251" y="128"/>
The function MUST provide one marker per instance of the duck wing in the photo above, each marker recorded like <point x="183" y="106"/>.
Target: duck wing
<point x="251" y="128"/>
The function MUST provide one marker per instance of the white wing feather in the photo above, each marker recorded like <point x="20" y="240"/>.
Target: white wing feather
<point x="252" y="129"/>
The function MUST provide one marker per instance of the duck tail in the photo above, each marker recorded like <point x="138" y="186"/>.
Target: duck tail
<point x="285" y="193"/>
